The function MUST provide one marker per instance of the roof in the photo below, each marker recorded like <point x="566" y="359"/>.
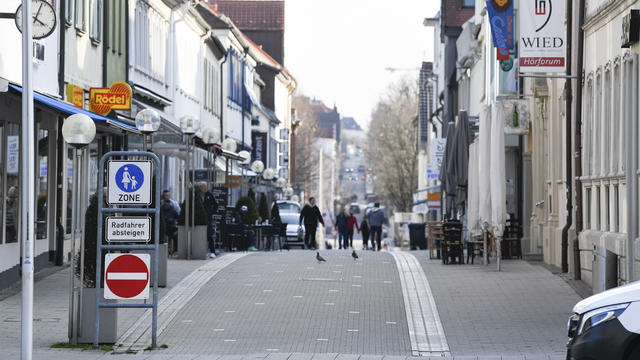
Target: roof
<point x="252" y="15"/>
<point x="349" y="123"/>
<point x="266" y="58"/>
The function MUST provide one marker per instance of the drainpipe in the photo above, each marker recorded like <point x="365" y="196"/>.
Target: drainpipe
<point x="577" y="272"/>
<point x="568" y="138"/>
<point x="222" y="95"/>
<point x="632" y="167"/>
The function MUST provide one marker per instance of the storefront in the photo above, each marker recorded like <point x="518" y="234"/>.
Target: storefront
<point x="54" y="171"/>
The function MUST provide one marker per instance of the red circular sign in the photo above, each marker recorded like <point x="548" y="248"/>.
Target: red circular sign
<point x="127" y="276"/>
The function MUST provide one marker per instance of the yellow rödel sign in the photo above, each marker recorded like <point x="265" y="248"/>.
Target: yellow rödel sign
<point x="115" y="97"/>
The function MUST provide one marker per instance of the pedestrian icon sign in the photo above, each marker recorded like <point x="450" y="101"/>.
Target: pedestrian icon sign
<point x="129" y="182"/>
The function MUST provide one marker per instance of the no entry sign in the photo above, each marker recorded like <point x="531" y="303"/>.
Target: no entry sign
<point x="126" y="276"/>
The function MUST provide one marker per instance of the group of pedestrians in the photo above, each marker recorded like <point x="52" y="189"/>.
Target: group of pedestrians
<point x="371" y="225"/>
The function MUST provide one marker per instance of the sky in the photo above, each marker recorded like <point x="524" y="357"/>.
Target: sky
<point x="337" y="50"/>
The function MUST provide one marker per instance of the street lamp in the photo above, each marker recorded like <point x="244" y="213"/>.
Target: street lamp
<point x="78" y="131"/>
<point x="189" y="126"/>
<point x="210" y="137"/>
<point x="247" y="159"/>
<point x="257" y="167"/>
<point x="147" y="122"/>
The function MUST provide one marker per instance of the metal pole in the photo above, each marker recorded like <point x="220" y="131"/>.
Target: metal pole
<point x="187" y="204"/>
<point x="78" y="230"/>
<point x="73" y="339"/>
<point x="28" y="183"/>
<point x="568" y="144"/>
<point x="154" y="321"/>
<point x="144" y="142"/>
<point x="96" y="322"/>
<point x="193" y="195"/>
<point x="632" y="169"/>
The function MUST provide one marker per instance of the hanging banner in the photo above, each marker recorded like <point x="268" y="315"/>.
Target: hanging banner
<point x="542" y="36"/>
<point x="436" y="154"/>
<point x="501" y="20"/>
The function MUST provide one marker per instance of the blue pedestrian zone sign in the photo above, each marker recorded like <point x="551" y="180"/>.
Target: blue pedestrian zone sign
<point x="129" y="182"/>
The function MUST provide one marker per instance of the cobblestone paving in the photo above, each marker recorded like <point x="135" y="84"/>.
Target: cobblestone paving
<point x="520" y="311"/>
<point x="285" y="302"/>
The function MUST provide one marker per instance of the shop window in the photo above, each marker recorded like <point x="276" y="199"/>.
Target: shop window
<point x="42" y="185"/>
<point x="70" y="170"/>
<point x="12" y="180"/>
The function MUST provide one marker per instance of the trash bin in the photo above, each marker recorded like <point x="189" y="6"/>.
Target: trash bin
<point x="417" y="238"/>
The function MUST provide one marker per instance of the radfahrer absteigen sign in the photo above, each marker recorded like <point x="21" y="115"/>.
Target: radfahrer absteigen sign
<point x="542" y="36"/>
<point x="129" y="182"/>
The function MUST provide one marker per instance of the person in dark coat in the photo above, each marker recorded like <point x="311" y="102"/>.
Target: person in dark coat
<point x="364" y="228"/>
<point x="341" y="224"/>
<point x="170" y="214"/>
<point x="210" y="206"/>
<point x="310" y="216"/>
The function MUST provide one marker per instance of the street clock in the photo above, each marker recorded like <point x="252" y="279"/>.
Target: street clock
<point x="44" y="18"/>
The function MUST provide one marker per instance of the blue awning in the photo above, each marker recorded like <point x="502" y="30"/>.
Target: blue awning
<point x="71" y="109"/>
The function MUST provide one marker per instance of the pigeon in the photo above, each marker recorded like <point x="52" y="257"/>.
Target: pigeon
<point x="320" y="258"/>
<point x="327" y="245"/>
<point x="354" y="255"/>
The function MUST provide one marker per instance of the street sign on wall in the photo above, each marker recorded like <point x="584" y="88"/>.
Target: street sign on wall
<point x="128" y="229"/>
<point x="129" y="182"/>
<point x="542" y="35"/>
<point x="126" y="276"/>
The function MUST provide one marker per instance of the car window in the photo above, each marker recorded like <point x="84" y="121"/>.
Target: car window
<point x="288" y="207"/>
<point x="290" y="218"/>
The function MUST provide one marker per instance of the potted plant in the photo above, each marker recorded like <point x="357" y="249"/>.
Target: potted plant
<point x="199" y="244"/>
<point x="108" y="316"/>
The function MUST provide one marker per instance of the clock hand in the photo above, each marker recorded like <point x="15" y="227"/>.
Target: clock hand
<point x="38" y="13"/>
<point x="36" y="19"/>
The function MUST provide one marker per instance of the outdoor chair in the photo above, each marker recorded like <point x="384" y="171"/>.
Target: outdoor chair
<point x="436" y="237"/>
<point x="233" y="236"/>
<point x="452" y="251"/>
<point x="475" y="247"/>
<point x="511" y="243"/>
<point x="272" y="233"/>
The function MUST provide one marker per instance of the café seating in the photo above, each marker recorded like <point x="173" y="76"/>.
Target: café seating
<point x="436" y="237"/>
<point x="511" y="243"/>
<point x="452" y="251"/>
<point x="233" y="237"/>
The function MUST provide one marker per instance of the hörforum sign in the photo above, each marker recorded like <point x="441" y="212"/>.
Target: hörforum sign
<point x="129" y="182"/>
<point x="542" y="36"/>
<point x="128" y="229"/>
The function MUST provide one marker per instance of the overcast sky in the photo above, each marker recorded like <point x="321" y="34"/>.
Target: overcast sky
<point x="338" y="49"/>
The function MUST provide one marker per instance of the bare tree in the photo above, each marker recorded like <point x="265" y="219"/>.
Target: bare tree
<point x="392" y="150"/>
<point x="306" y="169"/>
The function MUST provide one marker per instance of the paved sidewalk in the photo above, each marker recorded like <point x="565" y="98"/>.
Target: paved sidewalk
<point x="51" y="303"/>
<point x="520" y="311"/>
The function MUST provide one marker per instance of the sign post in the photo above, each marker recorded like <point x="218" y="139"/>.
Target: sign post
<point x="126" y="276"/>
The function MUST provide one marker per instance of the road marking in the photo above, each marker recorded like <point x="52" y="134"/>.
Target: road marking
<point x="266" y="290"/>
<point x="330" y="304"/>
<point x="352" y="330"/>
<point x="218" y="330"/>
<point x="322" y="339"/>
<point x="356" y="285"/>
<point x="357" y="276"/>
<point x="187" y="321"/>
<point x="337" y="271"/>
<point x="254" y="276"/>
<point x="388" y="282"/>
<point x="391" y="322"/>
<point x="229" y="311"/>
<point x="333" y="290"/>
<point x="138" y="336"/>
<point x="272" y="350"/>
<point x="297" y="296"/>
<point x="229" y="340"/>
<point x="279" y="271"/>
<point x="425" y="328"/>
<point x="340" y="265"/>
<point x="309" y="268"/>
<point x="248" y="285"/>
<point x="354" y="312"/>
<point x="259" y="303"/>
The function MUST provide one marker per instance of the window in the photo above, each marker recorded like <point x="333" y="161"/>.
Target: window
<point x="211" y="83"/>
<point x="42" y="213"/>
<point x="616" y="209"/>
<point x="598" y="221"/>
<point x="237" y="92"/>
<point x="607" y="212"/>
<point x="96" y="20"/>
<point x="587" y="209"/>
<point x="68" y="11"/>
<point x="284" y="134"/>
<point x="150" y="37"/>
<point x="11" y="184"/>
<point x="468" y="3"/>
<point x="79" y="15"/>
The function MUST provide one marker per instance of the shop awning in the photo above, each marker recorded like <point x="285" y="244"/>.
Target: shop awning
<point x="71" y="109"/>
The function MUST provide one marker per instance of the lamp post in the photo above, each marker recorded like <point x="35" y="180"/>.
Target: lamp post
<point x="247" y="159"/>
<point x="78" y="131"/>
<point x="257" y="167"/>
<point x="147" y="122"/>
<point x="231" y="146"/>
<point x="189" y="126"/>
<point x="210" y="136"/>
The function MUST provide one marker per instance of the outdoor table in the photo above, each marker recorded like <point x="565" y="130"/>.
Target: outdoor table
<point x="260" y="230"/>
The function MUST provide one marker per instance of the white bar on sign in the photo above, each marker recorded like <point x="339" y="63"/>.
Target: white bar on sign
<point x="126" y="276"/>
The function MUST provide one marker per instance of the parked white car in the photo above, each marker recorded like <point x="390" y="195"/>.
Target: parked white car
<point x="606" y="325"/>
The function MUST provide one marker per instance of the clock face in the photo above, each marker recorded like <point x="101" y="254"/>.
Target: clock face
<point x="44" y="18"/>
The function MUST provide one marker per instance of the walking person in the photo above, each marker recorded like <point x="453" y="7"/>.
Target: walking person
<point x="376" y="218"/>
<point x="341" y="225"/>
<point x="210" y="206"/>
<point x="310" y="216"/>
<point x="351" y="222"/>
<point x="364" y="228"/>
